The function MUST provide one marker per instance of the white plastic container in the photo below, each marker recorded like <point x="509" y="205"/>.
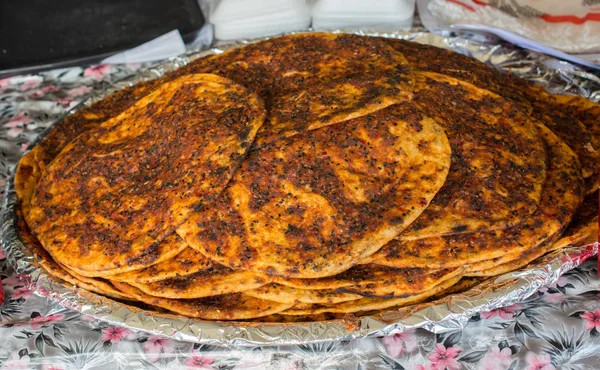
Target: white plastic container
<point x="240" y="19"/>
<point x="384" y="14"/>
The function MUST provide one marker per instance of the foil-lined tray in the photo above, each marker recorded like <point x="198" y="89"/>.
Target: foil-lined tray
<point x="446" y="314"/>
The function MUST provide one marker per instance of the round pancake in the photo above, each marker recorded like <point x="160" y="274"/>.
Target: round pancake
<point x="283" y="64"/>
<point x="510" y="261"/>
<point x="215" y="280"/>
<point x="561" y="196"/>
<point x="395" y="285"/>
<point x="586" y="233"/>
<point x="565" y="126"/>
<point x="532" y="100"/>
<point x="329" y="102"/>
<point x="374" y="280"/>
<point x="498" y="160"/>
<point x="95" y="285"/>
<point x="277" y="318"/>
<point x="52" y="268"/>
<point x="285" y="294"/>
<point x="33" y="164"/>
<point x="235" y="306"/>
<point x="101" y="286"/>
<point x="187" y="262"/>
<point x="588" y="113"/>
<point x="312" y="205"/>
<point x="151" y="166"/>
<point x="429" y="58"/>
<point x="368" y="304"/>
<point x="582" y="230"/>
<point x="464" y="284"/>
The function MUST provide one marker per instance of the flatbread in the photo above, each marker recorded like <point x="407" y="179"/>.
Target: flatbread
<point x="186" y="262"/>
<point x="97" y="285"/>
<point x="285" y="294"/>
<point x="32" y="165"/>
<point x="314" y="204"/>
<point x="582" y="230"/>
<point x="310" y="80"/>
<point x="215" y="280"/>
<point x="567" y="127"/>
<point x="394" y="284"/>
<point x="53" y="269"/>
<point x="27" y="174"/>
<point x="287" y="63"/>
<point x="368" y="304"/>
<point x="235" y="306"/>
<point x="322" y="317"/>
<point x="584" y="234"/>
<point x="149" y="171"/>
<point x="510" y="261"/>
<point x="498" y="160"/>
<point x="561" y="196"/>
<point x="429" y="58"/>
<point x="375" y="281"/>
<point x="330" y="102"/>
<point x="588" y="113"/>
<point x="314" y="79"/>
<point x="464" y="284"/>
<point x="584" y="224"/>
<point x="534" y="101"/>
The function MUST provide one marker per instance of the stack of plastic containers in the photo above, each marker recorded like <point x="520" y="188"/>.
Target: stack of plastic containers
<point x="243" y="19"/>
<point x="383" y="14"/>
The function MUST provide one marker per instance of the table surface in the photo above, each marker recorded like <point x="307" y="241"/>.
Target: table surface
<point x="558" y="327"/>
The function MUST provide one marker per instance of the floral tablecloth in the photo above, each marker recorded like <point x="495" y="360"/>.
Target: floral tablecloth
<point x="557" y="328"/>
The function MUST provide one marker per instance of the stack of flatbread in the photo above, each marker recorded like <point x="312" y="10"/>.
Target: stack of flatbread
<point x="309" y="175"/>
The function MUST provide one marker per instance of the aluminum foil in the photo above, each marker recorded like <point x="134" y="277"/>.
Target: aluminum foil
<point x="446" y="314"/>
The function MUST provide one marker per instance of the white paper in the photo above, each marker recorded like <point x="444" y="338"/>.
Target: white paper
<point x="165" y="46"/>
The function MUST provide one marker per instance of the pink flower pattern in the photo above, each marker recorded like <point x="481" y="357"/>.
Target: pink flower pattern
<point x="15" y="362"/>
<point x="98" y="72"/>
<point x="31" y="83"/>
<point x="53" y="366"/>
<point x="20" y="293"/>
<point x="115" y="334"/>
<point x="17" y="280"/>
<point x="14" y="132"/>
<point x="543" y="362"/>
<point x="445" y="358"/>
<point x="554" y="298"/>
<point x="155" y="346"/>
<point x="19" y="119"/>
<point x="42" y="321"/>
<point x="50" y="88"/>
<point x="64" y="101"/>
<point x="398" y="343"/>
<point x="79" y="91"/>
<point x="4" y="82"/>
<point x="496" y="359"/>
<point x="198" y="361"/>
<point x="2" y="253"/>
<point x="504" y="312"/>
<point x="36" y="94"/>
<point x="592" y="320"/>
